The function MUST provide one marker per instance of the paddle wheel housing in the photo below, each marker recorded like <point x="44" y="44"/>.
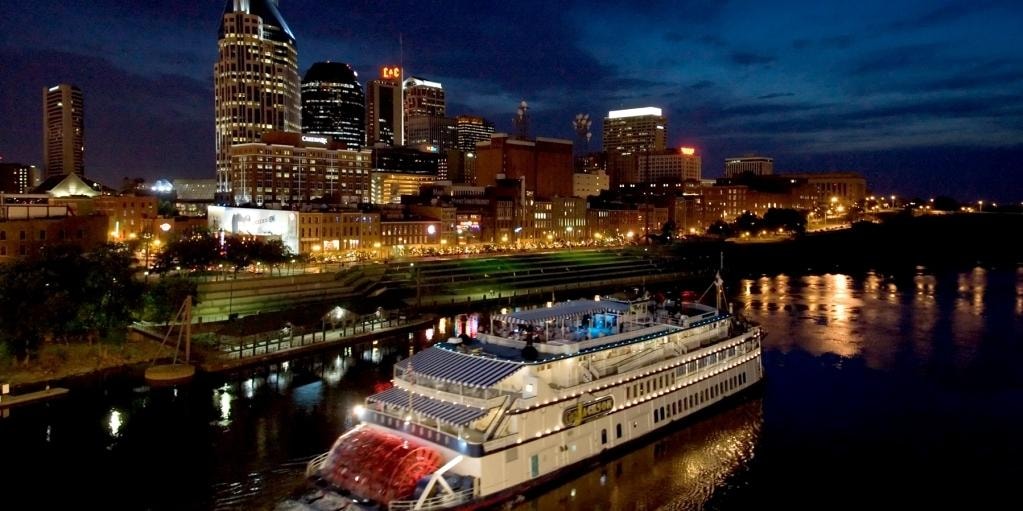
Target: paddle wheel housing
<point x="379" y="466"/>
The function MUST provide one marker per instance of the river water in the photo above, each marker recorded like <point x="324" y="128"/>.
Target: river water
<point x="882" y="391"/>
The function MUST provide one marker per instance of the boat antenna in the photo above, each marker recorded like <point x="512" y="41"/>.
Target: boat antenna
<point x="718" y="280"/>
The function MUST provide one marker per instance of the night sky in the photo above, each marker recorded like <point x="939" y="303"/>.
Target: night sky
<point x="925" y="98"/>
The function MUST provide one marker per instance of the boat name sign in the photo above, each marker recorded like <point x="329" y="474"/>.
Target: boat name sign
<point x="585" y="412"/>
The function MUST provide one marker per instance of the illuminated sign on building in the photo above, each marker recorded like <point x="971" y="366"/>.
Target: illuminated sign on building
<point x="270" y="223"/>
<point x="318" y="140"/>
<point x="688" y="151"/>
<point x="585" y="412"/>
<point x="390" y="73"/>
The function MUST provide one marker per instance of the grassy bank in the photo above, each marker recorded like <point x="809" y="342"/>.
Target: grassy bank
<point x="59" y="361"/>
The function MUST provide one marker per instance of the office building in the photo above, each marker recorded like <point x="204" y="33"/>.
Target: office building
<point x="333" y="104"/>
<point x="31" y="222"/>
<point x="589" y="184"/>
<point x="436" y="132"/>
<point x="384" y="109"/>
<point x="63" y="130"/>
<point x="406" y="159"/>
<point x="18" y="178"/>
<point x="668" y="166"/>
<point x="635" y="130"/>
<point x="754" y="165"/>
<point x="472" y="129"/>
<point x="421" y="98"/>
<point x="292" y="168"/>
<point x="544" y="165"/>
<point x="389" y="187"/>
<point x="256" y="83"/>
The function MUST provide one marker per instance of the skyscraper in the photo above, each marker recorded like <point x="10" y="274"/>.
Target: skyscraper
<point x="333" y="104"/>
<point x="635" y="130"/>
<point x="383" y="108"/>
<point x="422" y="98"/>
<point x="472" y="129"/>
<point x="63" y="130"/>
<point x="629" y="133"/>
<point x="256" y="86"/>
<point x="384" y="118"/>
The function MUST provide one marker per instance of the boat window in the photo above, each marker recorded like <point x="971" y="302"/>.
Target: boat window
<point x="618" y="430"/>
<point x="603" y="436"/>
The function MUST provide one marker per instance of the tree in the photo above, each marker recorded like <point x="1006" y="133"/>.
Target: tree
<point x="272" y="252"/>
<point x="720" y="228"/>
<point x="668" y="231"/>
<point x="24" y="313"/>
<point x="197" y="249"/>
<point x="165" y="296"/>
<point x="112" y="295"/>
<point x="66" y="295"/>
<point x="238" y="252"/>
<point x="944" y="203"/>
<point x="748" y="222"/>
<point x="788" y="219"/>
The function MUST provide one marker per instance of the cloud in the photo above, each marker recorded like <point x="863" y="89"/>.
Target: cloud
<point x="774" y="95"/>
<point x="899" y="58"/>
<point x="947" y="13"/>
<point x="840" y="42"/>
<point x="700" y="85"/>
<point x="745" y="58"/>
<point x="161" y="124"/>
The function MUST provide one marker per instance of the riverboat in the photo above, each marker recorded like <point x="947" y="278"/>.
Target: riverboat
<point x="471" y="422"/>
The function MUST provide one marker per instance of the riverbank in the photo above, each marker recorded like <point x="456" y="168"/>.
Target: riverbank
<point x="59" y="361"/>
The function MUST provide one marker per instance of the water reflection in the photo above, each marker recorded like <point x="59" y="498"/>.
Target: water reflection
<point x="114" y="423"/>
<point x="881" y="317"/>
<point x="680" y="469"/>
<point x="876" y="360"/>
<point x="222" y="397"/>
<point x="827" y="302"/>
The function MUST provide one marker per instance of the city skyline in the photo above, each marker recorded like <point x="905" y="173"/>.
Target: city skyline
<point x="922" y="101"/>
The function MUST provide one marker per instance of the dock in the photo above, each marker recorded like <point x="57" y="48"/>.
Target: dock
<point x="11" y="401"/>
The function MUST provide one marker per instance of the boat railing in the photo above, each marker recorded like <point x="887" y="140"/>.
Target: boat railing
<point x="439" y="502"/>
<point x="315" y="464"/>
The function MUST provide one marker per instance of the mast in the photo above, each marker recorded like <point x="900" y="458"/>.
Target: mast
<point x="411" y="350"/>
<point x="188" y="328"/>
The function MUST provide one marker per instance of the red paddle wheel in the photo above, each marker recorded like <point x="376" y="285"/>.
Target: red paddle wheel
<point x="379" y="466"/>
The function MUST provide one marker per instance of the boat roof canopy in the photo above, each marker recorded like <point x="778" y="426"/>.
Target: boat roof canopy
<point x="564" y="310"/>
<point x="453" y="413"/>
<point x="460" y="368"/>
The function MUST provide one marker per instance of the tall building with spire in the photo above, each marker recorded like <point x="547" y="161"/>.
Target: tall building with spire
<point x="63" y="130"/>
<point x="256" y="83"/>
<point x="333" y="104"/>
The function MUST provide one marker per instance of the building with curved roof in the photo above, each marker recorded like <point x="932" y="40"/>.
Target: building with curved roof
<point x="333" y="104"/>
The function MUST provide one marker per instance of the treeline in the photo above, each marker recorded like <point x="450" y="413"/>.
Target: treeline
<point x="66" y="295"/>
<point x="901" y="242"/>
<point x="201" y="250"/>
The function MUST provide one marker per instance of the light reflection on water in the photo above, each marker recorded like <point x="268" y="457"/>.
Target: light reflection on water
<point x="679" y="469"/>
<point x="878" y="361"/>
